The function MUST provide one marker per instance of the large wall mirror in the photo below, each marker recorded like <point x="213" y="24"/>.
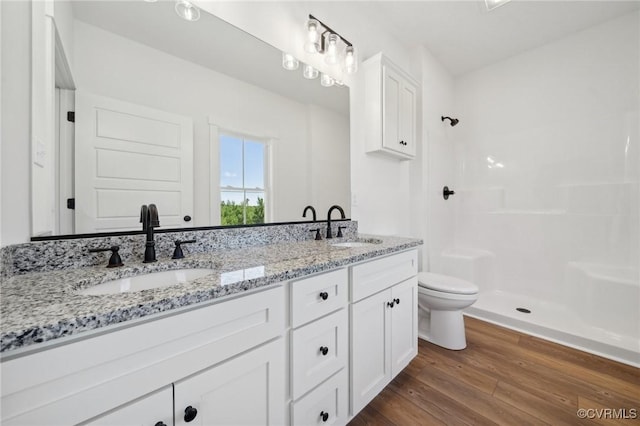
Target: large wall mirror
<point x="198" y="118"/>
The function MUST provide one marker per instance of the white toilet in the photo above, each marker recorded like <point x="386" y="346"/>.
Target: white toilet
<point x="441" y="299"/>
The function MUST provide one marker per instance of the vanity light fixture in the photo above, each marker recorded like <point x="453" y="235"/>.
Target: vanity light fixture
<point x="322" y="39"/>
<point x="309" y="72"/>
<point x="289" y="62"/>
<point x="326" y="80"/>
<point x="186" y="10"/>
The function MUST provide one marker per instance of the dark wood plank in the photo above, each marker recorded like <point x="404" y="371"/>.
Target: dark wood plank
<point x="436" y="403"/>
<point x="401" y="411"/>
<point x="504" y="377"/>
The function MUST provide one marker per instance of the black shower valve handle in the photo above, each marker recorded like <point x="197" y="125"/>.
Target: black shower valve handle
<point x="446" y="192"/>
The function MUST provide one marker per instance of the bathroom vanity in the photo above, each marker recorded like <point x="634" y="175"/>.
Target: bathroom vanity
<point x="301" y="332"/>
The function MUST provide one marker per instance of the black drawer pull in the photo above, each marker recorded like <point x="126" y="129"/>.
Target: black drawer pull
<point x="324" y="416"/>
<point x="190" y="413"/>
<point x="391" y="304"/>
<point x="397" y="301"/>
<point x="324" y="350"/>
<point x="324" y="295"/>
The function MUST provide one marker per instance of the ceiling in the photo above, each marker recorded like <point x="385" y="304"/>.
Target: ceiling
<point x="461" y="34"/>
<point x="206" y="43"/>
<point x="464" y="36"/>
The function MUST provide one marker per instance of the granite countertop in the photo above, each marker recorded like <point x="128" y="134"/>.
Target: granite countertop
<point x="44" y="306"/>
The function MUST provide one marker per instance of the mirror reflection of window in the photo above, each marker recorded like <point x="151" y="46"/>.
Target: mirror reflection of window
<point x="243" y="180"/>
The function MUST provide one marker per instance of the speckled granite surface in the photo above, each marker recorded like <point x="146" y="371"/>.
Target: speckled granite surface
<point x="61" y="254"/>
<point x="42" y="306"/>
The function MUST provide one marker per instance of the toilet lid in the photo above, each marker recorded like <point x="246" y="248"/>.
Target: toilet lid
<point x="446" y="283"/>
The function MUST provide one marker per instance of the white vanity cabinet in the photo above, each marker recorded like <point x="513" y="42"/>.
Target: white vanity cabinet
<point x="320" y="349"/>
<point x="246" y="390"/>
<point x="312" y="351"/>
<point x="207" y="353"/>
<point x="384" y="322"/>
<point x="391" y="108"/>
<point x="155" y="409"/>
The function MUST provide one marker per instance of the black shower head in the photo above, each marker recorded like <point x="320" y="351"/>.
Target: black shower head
<point x="453" y="121"/>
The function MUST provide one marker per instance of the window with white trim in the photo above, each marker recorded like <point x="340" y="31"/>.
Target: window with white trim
<point x="243" y="178"/>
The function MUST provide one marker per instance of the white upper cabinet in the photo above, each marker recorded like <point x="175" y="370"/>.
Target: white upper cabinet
<point x="391" y="108"/>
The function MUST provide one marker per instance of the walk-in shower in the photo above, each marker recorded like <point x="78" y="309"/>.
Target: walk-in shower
<point x="547" y="194"/>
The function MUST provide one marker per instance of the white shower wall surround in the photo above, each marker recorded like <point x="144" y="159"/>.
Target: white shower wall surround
<point x="547" y="159"/>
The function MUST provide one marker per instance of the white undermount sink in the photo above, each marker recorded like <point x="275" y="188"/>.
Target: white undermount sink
<point x="146" y="281"/>
<point x="359" y="243"/>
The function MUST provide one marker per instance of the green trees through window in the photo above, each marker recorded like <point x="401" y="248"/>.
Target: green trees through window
<point x="242" y="180"/>
<point x="233" y="214"/>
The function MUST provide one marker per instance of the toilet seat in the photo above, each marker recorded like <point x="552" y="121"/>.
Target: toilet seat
<point x="446" y="284"/>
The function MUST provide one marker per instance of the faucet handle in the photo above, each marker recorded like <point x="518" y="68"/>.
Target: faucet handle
<point x="317" y="231"/>
<point x="177" y="252"/>
<point x="115" y="260"/>
<point x="340" y="228"/>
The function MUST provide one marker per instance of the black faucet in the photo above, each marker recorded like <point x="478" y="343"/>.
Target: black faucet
<point x="329" y="235"/>
<point x="304" y="212"/>
<point x="149" y="219"/>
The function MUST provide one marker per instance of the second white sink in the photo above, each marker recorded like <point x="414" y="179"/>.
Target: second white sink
<point x="146" y="281"/>
<point x="363" y="242"/>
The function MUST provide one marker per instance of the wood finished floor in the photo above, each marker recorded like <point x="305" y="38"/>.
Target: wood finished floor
<point x="506" y="378"/>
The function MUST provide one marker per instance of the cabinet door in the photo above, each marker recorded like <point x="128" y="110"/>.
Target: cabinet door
<point x="392" y="91"/>
<point x="407" y="114"/>
<point x="153" y="409"/>
<point x="404" y="324"/>
<point x="370" y="349"/>
<point x="246" y="390"/>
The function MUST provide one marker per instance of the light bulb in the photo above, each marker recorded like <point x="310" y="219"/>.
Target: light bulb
<point x="331" y="50"/>
<point x="289" y="62"/>
<point x="326" y="80"/>
<point x="350" y="60"/>
<point x="187" y="11"/>
<point x="309" y="72"/>
<point x="312" y="44"/>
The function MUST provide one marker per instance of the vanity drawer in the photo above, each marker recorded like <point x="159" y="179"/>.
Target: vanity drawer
<point x="319" y="350"/>
<point x="329" y="400"/>
<point x="319" y="295"/>
<point x="371" y="277"/>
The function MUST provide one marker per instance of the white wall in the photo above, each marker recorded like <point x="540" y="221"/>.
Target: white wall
<point x="328" y="160"/>
<point x="563" y="120"/>
<point x="16" y="113"/>
<point x="109" y="65"/>
<point x="437" y="160"/>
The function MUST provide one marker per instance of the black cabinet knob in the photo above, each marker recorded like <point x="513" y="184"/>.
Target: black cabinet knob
<point x="160" y="424"/>
<point x="324" y="416"/>
<point x="324" y="350"/>
<point x="397" y="301"/>
<point x="187" y="218"/>
<point x="324" y="295"/>
<point x="190" y="413"/>
<point x="391" y="304"/>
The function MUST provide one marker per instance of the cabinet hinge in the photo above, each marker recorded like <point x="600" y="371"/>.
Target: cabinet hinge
<point x="71" y="203"/>
<point x="71" y="116"/>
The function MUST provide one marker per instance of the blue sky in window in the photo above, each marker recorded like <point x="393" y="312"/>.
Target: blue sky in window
<point x="231" y="168"/>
